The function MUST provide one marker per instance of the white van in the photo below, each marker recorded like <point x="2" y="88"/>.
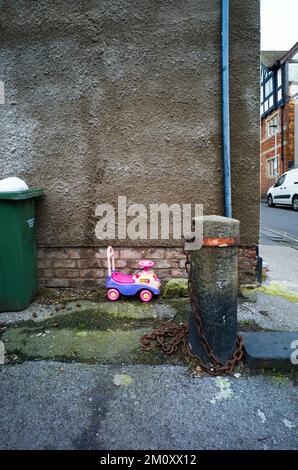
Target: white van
<point x="285" y="190"/>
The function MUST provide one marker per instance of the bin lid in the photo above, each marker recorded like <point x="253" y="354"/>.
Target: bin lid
<point x="20" y="195"/>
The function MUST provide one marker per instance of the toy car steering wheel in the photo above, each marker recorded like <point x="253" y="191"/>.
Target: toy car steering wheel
<point x="146" y="264"/>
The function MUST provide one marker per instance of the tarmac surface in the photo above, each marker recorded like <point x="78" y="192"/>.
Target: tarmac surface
<point x="279" y="245"/>
<point x="50" y="405"/>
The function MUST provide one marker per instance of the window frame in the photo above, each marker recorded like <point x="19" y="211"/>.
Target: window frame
<point x="270" y="132"/>
<point x="277" y="96"/>
<point x="267" y="76"/>
<point x="290" y="62"/>
<point x="268" y="165"/>
<point x="280" y="88"/>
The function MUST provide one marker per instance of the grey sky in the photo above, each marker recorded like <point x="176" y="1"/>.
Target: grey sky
<point x="279" y="24"/>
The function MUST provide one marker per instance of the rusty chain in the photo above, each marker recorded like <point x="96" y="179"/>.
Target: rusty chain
<point x="170" y="335"/>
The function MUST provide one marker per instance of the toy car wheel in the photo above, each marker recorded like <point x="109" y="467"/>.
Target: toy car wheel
<point x="145" y="295"/>
<point x="113" y="294"/>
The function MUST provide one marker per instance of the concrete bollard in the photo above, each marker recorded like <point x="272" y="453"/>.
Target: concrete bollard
<point x="215" y="275"/>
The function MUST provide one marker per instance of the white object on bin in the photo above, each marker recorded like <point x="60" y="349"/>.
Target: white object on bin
<point x="12" y="184"/>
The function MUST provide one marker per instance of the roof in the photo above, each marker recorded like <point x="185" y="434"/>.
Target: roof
<point x="271" y="58"/>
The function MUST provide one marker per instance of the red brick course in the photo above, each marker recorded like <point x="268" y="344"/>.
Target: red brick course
<point x="87" y="267"/>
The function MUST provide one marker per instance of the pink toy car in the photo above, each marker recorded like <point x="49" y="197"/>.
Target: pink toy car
<point x="144" y="283"/>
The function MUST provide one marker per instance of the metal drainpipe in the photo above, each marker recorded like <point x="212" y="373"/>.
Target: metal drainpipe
<point x="226" y="107"/>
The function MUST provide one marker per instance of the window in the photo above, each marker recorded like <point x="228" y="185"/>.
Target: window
<point x="267" y="90"/>
<point x="279" y="81"/>
<point x="271" y="101"/>
<point x="293" y="75"/>
<point x="279" y="85"/>
<point x="293" y="72"/>
<point x="280" y="181"/>
<point x="293" y="90"/>
<point x="268" y="87"/>
<point x="270" y="168"/>
<point x="271" y="123"/>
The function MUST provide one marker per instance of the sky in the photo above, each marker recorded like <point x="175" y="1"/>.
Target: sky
<point x="279" y="24"/>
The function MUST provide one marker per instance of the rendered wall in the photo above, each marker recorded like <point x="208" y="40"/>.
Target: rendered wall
<point x="122" y="97"/>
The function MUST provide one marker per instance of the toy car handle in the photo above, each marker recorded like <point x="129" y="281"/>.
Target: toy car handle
<point x="110" y="257"/>
<point x="146" y="264"/>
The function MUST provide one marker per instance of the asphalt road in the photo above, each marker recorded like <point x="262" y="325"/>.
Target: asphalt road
<point x="279" y="245"/>
<point x="48" y="405"/>
<point x="278" y="225"/>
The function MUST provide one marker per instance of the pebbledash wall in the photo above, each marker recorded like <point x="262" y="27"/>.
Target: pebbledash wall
<point x="122" y="97"/>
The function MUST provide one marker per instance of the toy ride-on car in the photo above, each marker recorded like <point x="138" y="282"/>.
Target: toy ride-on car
<point x="143" y="283"/>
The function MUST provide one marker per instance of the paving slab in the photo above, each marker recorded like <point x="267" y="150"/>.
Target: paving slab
<point x="72" y="344"/>
<point x="273" y="350"/>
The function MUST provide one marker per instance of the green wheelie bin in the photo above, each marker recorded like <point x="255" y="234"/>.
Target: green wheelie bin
<point x="18" y="253"/>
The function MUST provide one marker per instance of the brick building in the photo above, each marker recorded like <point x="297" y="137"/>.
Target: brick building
<point x="279" y="112"/>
